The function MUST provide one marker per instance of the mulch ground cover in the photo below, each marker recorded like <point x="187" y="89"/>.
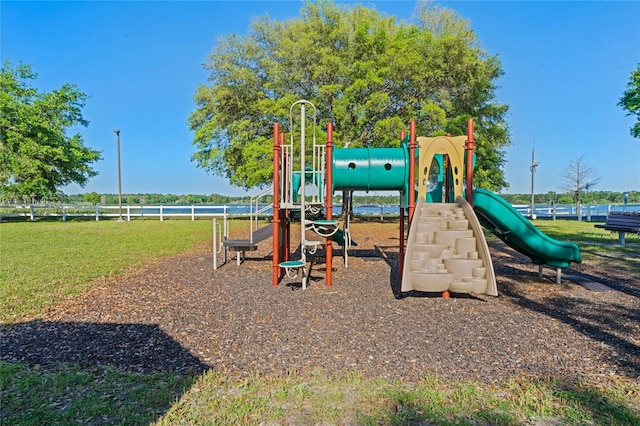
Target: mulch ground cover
<point x="180" y="314"/>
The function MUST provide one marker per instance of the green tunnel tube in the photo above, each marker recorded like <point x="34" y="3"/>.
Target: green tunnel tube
<point x="370" y="169"/>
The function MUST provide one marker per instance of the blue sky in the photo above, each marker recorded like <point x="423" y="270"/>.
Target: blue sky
<point x="566" y="65"/>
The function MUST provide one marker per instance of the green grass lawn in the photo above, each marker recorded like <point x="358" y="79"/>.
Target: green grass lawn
<point x="103" y="395"/>
<point x="43" y="262"/>
<point x="586" y="235"/>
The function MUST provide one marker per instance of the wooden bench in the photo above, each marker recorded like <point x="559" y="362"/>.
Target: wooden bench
<point x="622" y="222"/>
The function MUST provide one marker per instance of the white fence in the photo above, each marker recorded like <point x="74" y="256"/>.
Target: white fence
<point x="588" y="212"/>
<point x="126" y="213"/>
<point x="543" y="211"/>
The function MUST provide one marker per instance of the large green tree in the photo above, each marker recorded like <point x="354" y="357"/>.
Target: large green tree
<point x="630" y="100"/>
<point x="36" y="154"/>
<point x="367" y="73"/>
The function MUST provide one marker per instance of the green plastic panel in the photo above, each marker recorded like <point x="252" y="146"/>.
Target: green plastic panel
<point x="309" y="176"/>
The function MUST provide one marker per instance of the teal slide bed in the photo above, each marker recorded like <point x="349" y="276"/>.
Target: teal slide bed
<point x="499" y="217"/>
<point x="338" y="237"/>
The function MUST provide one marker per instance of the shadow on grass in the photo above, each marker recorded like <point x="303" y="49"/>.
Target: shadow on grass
<point x="65" y="372"/>
<point x="547" y="401"/>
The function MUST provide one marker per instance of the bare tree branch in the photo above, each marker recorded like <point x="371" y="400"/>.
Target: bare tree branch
<point x="579" y="177"/>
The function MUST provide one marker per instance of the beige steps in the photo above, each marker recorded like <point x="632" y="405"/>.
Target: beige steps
<point x="447" y="251"/>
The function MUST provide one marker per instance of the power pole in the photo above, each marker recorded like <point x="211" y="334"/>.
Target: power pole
<point x="533" y="166"/>
<point x="117" y="132"/>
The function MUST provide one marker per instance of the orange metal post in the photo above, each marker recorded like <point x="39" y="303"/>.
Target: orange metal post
<point x="402" y="237"/>
<point x="329" y="203"/>
<point x="469" y="147"/>
<point x="412" y="169"/>
<point x="276" y="205"/>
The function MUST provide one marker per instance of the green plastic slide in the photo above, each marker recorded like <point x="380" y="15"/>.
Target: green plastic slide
<point x="499" y="217"/>
<point x="338" y="237"/>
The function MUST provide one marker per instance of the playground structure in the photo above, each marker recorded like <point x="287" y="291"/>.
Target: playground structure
<point x="445" y="249"/>
<point x="331" y="169"/>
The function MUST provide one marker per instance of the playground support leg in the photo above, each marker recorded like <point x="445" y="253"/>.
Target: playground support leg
<point x="215" y="245"/>
<point x="286" y="248"/>
<point x="447" y="180"/>
<point x="329" y="262"/>
<point x="469" y="150"/>
<point x="329" y="203"/>
<point x="401" y="246"/>
<point x="286" y="224"/>
<point x="412" y="169"/>
<point x="275" y="276"/>
<point x="558" y="274"/>
<point x="401" y="242"/>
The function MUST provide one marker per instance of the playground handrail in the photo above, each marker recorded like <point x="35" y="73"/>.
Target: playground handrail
<point x="255" y="210"/>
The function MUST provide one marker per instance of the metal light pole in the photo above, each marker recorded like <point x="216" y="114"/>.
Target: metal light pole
<point x="533" y="166"/>
<point x="117" y="132"/>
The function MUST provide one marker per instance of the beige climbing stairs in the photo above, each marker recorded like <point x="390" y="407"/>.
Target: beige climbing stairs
<point x="447" y="251"/>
